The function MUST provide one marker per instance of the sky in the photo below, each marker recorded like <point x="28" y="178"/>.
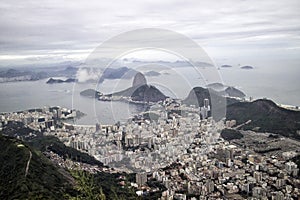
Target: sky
<point x="230" y="31"/>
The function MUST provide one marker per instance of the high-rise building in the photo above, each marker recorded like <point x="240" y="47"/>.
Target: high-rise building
<point x="279" y="183"/>
<point x="203" y="112"/>
<point x="98" y="127"/>
<point x="141" y="178"/>
<point x="210" y="186"/>
<point x="257" y="176"/>
<point x="257" y="192"/>
<point x="279" y="196"/>
<point x="206" y="103"/>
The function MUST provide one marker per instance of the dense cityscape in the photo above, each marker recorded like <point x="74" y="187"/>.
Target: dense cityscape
<point x="150" y="100"/>
<point x="182" y="150"/>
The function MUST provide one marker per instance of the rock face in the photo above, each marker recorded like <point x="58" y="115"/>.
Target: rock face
<point x="196" y="97"/>
<point x="216" y="86"/>
<point x="140" y="91"/>
<point x="139" y="79"/>
<point x="233" y="92"/>
<point x="52" y="81"/>
<point x="146" y="93"/>
<point x="216" y="99"/>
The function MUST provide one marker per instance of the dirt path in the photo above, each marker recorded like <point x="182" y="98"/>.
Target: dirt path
<point x="28" y="163"/>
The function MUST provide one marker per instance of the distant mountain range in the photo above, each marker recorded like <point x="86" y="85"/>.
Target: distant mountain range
<point x="18" y="75"/>
<point x="117" y="73"/>
<point x="12" y="75"/>
<point x="123" y="73"/>
<point x="31" y="74"/>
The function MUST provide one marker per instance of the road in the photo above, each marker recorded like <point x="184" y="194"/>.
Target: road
<point x="239" y="126"/>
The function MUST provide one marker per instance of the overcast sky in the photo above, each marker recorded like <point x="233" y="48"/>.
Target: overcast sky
<point x="39" y="31"/>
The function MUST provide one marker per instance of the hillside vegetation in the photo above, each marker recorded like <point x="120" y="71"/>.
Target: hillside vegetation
<point x="42" y="181"/>
<point x="265" y="116"/>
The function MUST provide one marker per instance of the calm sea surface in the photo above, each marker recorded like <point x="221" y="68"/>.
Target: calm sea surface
<point x="257" y="83"/>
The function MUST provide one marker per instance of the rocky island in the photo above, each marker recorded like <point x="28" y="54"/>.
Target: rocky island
<point x="53" y="81"/>
<point x="91" y="93"/>
<point x="140" y="92"/>
<point x="229" y="91"/>
<point x="247" y="67"/>
<point x="233" y="92"/>
<point x="226" y="66"/>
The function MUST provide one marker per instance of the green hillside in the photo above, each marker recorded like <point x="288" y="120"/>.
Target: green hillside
<point x="265" y="116"/>
<point x="49" y="143"/>
<point x="42" y="180"/>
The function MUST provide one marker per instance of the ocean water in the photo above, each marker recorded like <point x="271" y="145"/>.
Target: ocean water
<point x="281" y="86"/>
<point x="17" y="96"/>
<point x="257" y="83"/>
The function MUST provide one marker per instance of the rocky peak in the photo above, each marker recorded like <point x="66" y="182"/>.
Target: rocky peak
<point x="139" y="79"/>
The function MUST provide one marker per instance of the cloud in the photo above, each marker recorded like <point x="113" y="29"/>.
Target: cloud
<point x="87" y="74"/>
<point x="44" y="28"/>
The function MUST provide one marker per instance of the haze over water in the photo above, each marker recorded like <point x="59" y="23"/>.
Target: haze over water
<point x="258" y="83"/>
